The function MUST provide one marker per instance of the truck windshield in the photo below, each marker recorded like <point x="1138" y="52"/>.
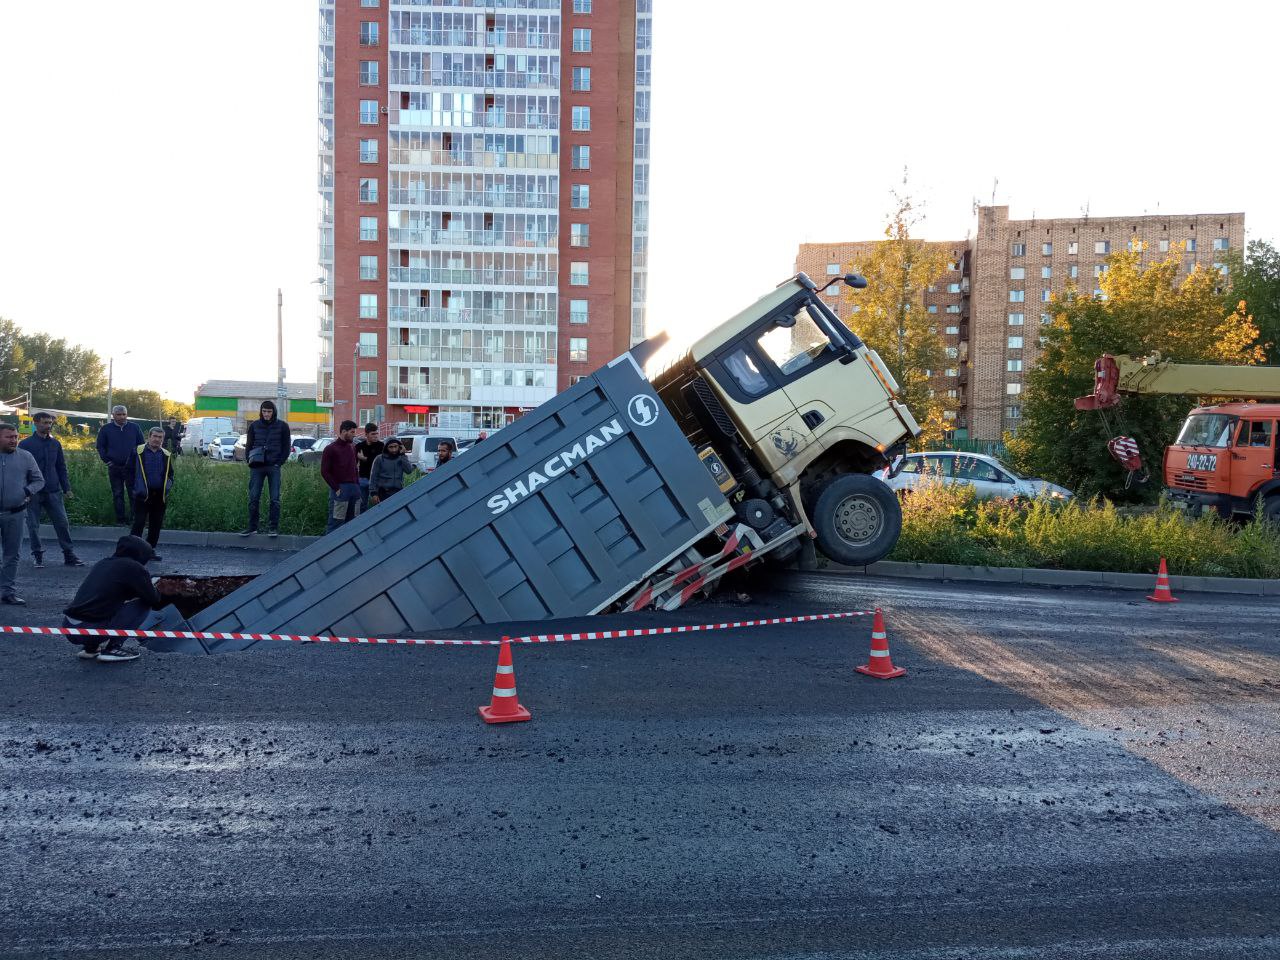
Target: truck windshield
<point x="796" y="347"/>
<point x="1207" y="430"/>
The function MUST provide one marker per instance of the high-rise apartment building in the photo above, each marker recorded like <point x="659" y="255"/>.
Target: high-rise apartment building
<point x="484" y="203"/>
<point x="993" y="300"/>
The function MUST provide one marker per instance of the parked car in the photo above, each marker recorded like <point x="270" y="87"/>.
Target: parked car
<point x="989" y="478"/>
<point x="301" y="444"/>
<point x="202" y="431"/>
<point x="312" y="455"/>
<point x="239" y="452"/>
<point x="420" y="448"/>
<point x="223" y="448"/>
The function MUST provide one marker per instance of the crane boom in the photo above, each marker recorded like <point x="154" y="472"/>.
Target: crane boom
<point x="1114" y="375"/>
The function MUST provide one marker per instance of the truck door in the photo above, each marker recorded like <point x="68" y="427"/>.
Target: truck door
<point x="1252" y="457"/>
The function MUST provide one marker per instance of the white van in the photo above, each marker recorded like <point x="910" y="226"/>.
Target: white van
<point x="202" y="431"/>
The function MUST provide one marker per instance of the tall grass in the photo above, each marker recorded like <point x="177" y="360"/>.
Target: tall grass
<point x="944" y="524"/>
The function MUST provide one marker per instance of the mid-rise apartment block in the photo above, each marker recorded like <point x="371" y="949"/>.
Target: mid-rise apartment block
<point x="994" y="298"/>
<point x="484" y="203"/>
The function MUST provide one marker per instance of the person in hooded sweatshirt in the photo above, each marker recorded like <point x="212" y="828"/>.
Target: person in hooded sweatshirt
<point x="116" y="594"/>
<point x="267" y="444"/>
<point x="386" y="476"/>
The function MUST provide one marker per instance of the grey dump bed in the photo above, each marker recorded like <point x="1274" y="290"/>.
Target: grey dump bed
<point x="556" y="515"/>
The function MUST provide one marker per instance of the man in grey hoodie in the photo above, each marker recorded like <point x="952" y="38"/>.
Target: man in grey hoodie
<point x="20" y="480"/>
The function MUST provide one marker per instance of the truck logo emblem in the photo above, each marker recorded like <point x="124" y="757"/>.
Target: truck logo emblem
<point x="787" y="442"/>
<point x="642" y="410"/>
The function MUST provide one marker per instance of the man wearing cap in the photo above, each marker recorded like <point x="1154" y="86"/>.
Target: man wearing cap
<point x="47" y="451"/>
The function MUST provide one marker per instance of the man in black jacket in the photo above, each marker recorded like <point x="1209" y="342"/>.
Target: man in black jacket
<point x="118" y="443"/>
<point x="117" y="594"/>
<point x="267" y="446"/>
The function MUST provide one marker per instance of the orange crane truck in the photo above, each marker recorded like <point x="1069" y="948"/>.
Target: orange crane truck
<point x="1224" y="458"/>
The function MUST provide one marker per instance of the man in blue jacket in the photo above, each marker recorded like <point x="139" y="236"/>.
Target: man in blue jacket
<point x="57" y="486"/>
<point x="267" y="445"/>
<point x="152" y="481"/>
<point x="118" y="442"/>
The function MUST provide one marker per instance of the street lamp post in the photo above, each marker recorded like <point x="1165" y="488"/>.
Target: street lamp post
<point x="111" y="370"/>
<point x="355" y="377"/>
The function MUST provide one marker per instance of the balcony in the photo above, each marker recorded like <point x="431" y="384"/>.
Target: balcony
<point x="326" y="326"/>
<point x="324" y="361"/>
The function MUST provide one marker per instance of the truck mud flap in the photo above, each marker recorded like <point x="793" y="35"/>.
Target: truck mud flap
<point x="555" y="515"/>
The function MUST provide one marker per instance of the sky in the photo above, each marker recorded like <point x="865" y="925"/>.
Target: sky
<point x="158" y="160"/>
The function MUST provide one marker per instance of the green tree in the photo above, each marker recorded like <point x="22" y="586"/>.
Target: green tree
<point x="63" y="373"/>
<point x="1143" y="309"/>
<point x="891" y="315"/>
<point x="15" y="368"/>
<point x="1255" y="279"/>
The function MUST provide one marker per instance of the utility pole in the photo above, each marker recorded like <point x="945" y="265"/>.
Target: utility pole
<point x="282" y="394"/>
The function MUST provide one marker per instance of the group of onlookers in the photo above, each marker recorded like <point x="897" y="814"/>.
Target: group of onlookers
<point x="368" y="471"/>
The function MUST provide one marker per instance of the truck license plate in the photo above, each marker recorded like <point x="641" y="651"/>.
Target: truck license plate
<point x="1202" y="461"/>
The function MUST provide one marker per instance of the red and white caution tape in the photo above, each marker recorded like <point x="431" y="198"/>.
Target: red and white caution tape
<point x="428" y="641"/>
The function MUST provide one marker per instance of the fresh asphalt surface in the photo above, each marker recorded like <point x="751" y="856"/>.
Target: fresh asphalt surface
<point x="1061" y="774"/>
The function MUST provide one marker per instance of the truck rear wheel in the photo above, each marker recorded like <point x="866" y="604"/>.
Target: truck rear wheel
<point x="1271" y="510"/>
<point x="857" y="519"/>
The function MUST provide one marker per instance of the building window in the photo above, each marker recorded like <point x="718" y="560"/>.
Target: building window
<point x="1072" y="248"/>
<point x="833" y="269"/>
<point x="951" y="331"/>
<point x="369" y="3"/>
<point x="1014" y="413"/>
<point x="577" y="274"/>
<point x="952" y="371"/>
<point x="1046" y="273"/>
<point x="368" y="111"/>
<point x="580" y="196"/>
<point x="1017" y="296"/>
<point x="1102" y="246"/>
<point x="1099" y="269"/>
<point x="1019" y="250"/>
<point x="581" y="6"/>
<point x="368" y="306"/>
<point x="1191" y="245"/>
<point x="579" y="235"/>
<point x="1015" y="343"/>
<point x="368" y="268"/>
<point x="580" y="158"/>
<point x="1046" y="295"/>
<point x="368" y="33"/>
<point x="1012" y="389"/>
<point x="368" y="228"/>
<point x="932" y="308"/>
<point x="953" y="308"/>
<point x="1013" y="366"/>
<point x="368" y="344"/>
<point x="368" y="383"/>
<point x="1045" y="319"/>
<point x="1098" y="294"/>
<point x="368" y="73"/>
<point x="578" y="312"/>
<point x="578" y="349"/>
<point x="581" y="118"/>
<point x="1016" y="319"/>
<point x="581" y="40"/>
<point x="1017" y="273"/>
<point x="581" y="79"/>
<point x="368" y="190"/>
<point x="953" y="288"/>
<point x="1074" y="271"/>
<point x="952" y="353"/>
<point x="1046" y="249"/>
<point x="1164" y="246"/>
<point x="368" y="151"/>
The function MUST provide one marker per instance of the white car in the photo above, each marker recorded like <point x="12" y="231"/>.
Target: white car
<point x="989" y="478"/>
<point x="223" y="448"/>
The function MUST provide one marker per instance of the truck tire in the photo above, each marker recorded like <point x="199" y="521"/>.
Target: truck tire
<point x="857" y="518"/>
<point x="1271" y="510"/>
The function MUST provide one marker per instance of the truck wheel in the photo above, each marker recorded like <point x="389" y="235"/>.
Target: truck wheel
<point x="857" y="519"/>
<point x="1271" y="510"/>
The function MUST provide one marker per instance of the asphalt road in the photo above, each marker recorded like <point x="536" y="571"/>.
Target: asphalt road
<point x="1061" y="774"/>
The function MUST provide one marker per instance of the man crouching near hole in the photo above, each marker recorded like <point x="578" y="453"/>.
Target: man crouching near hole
<point x="117" y="594"/>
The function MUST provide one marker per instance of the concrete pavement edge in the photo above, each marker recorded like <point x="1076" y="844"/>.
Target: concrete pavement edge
<point x="185" y="538"/>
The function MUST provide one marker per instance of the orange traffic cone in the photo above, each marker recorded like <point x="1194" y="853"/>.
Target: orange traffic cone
<point x="503" y="706"/>
<point x="1162" y="594"/>
<point x="880" y="665"/>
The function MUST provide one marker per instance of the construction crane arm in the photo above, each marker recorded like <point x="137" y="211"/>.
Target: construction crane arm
<point x="1115" y="375"/>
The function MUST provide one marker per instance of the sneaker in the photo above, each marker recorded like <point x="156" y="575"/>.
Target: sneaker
<point x="117" y="652"/>
<point x="273" y="532"/>
<point x="38" y="561"/>
<point x="71" y="560"/>
<point x="248" y="531"/>
<point x="88" y="653"/>
<point x="13" y="600"/>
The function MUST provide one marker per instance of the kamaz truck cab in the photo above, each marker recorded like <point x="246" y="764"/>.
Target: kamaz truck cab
<point x="799" y="413"/>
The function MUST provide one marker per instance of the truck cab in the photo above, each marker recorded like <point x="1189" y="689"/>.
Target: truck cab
<point x="799" y="413"/>
<point x="1225" y="459"/>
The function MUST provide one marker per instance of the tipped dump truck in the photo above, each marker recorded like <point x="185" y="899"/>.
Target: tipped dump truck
<point x="626" y="491"/>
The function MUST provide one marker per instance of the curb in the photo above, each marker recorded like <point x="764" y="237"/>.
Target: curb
<point x="186" y="538"/>
<point x="1034" y="576"/>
